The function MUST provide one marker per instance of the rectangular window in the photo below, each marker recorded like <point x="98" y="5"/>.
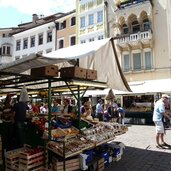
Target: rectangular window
<point x="4" y="50"/>
<point x="136" y="61"/>
<point x="32" y="42"/>
<point x="148" y="60"/>
<point x="49" y="36"/>
<point x="40" y="39"/>
<point x="25" y="43"/>
<point x="126" y="63"/>
<point x="91" y="19"/>
<point x="82" y="22"/>
<point x="73" y="21"/>
<point x="18" y="45"/>
<point x="62" y="25"/>
<point x="99" y="16"/>
<point x="72" y="40"/>
<point x="8" y="50"/>
<point x="61" y="43"/>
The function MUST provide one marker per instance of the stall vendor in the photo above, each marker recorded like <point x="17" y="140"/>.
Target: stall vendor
<point x="66" y="108"/>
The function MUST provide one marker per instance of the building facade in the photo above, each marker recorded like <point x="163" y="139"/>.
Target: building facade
<point x="66" y="30"/>
<point x="142" y="32"/>
<point x="91" y="20"/>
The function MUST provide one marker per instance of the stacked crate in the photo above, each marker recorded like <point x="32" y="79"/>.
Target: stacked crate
<point x="31" y="160"/>
<point x="12" y="159"/>
<point x="25" y="159"/>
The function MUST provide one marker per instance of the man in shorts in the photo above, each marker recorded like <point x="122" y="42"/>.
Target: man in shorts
<point x="158" y="114"/>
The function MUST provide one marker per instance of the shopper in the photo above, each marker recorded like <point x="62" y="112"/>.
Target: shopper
<point x="8" y="123"/>
<point x="158" y="114"/>
<point x="82" y="108"/>
<point x="99" y="110"/>
<point x="121" y="113"/>
<point x="19" y="109"/>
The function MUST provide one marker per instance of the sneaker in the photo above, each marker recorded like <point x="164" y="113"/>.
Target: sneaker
<point x="165" y="144"/>
<point x="160" y="146"/>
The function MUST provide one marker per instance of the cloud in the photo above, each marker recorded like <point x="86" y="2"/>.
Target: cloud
<point x="45" y="7"/>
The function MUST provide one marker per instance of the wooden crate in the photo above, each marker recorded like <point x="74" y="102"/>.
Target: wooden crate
<point x="31" y="162"/>
<point x="70" y="165"/>
<point x="12" y="159"/>
<point x="51" y="70"/>
<point x="73" y="72"/>
<point x="91" y="74"/>
<point x="100" y="164"/>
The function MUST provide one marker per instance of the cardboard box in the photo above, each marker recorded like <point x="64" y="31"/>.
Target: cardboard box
<point x="91" y="74"/>
<point x="51" y="70"/>
<point x="73" y="72"/>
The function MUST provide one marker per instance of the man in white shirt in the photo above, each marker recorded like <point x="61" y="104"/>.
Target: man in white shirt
<point x="158" y="114"/>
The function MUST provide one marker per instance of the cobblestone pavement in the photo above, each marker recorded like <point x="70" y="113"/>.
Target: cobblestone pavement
<point x="140" y="153"/>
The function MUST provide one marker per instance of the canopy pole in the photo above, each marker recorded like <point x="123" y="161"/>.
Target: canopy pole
<point x="78" y="104"/>
<point x="49" y="109"/>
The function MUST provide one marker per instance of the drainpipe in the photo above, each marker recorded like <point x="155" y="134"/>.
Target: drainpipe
<point x="107" y="22"/>
<point x="55" y="36"/>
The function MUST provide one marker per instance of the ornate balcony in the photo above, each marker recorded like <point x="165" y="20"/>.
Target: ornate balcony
<point x="140" y="39"/>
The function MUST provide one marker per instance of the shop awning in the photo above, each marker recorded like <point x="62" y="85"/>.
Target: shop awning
<point x="99" y="55"/>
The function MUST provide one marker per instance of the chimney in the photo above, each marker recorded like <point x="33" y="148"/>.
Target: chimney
<point x="34" y="18"/>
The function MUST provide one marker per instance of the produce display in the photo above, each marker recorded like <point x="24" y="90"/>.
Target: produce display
<point x="73" y="146"/>
<point x="88" y="138"/>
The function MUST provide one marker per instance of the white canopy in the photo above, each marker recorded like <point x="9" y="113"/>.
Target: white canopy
<point x="138" y="87"/>
<point x="99" y="55"/>
<point x="151" y="86"/>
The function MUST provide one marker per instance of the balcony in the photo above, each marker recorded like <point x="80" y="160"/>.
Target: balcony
<point x="133" y="40"/>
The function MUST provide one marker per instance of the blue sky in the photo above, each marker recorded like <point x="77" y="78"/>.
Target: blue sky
<point x="14" y="12"/>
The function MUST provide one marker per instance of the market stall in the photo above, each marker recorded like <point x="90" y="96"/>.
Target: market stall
<point x="92" y="56"/>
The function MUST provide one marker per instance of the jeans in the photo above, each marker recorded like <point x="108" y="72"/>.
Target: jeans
<point x="19" y="134"/>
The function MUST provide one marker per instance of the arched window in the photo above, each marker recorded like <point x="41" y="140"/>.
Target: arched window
<point x="135" y="27"/>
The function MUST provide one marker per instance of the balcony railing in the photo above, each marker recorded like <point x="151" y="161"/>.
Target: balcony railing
<point x="146" y="35"/>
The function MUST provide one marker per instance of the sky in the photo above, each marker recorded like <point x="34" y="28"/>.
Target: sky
<point x="14" y="12"/>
